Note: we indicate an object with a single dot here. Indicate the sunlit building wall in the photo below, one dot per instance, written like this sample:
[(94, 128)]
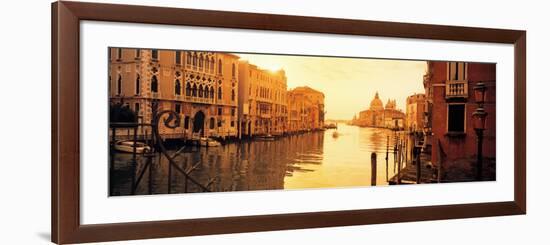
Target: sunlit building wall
[(263, 100), (416, 105), (306, 109)]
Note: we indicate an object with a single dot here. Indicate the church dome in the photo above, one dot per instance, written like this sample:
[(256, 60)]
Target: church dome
[(376, 103)]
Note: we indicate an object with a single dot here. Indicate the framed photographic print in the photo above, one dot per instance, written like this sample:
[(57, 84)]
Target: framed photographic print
[(176, 122)]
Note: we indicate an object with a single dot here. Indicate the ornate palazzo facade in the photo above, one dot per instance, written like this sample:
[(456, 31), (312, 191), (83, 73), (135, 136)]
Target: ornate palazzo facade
[(200, 86)]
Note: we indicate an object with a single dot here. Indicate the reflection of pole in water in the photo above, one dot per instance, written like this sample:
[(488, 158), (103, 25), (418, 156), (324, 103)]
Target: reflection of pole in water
[(373, 169), (151, 174), (169, 177), (112, 160), (387, 149)]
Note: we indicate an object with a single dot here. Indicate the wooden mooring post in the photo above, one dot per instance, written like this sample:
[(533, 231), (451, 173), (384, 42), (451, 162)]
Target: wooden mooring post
[(399, 156), (396, 140), (373, 169), (406, 138), (416, 151)]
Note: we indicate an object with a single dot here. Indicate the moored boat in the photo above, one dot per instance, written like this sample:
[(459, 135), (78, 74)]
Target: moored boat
[(267, 137), (209, 142), (127, 146)]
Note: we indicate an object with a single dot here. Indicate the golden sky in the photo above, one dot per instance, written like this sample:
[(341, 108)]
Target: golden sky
[(349, 84)]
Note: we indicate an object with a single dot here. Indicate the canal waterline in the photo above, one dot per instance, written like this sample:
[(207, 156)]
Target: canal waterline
[(309, 160)]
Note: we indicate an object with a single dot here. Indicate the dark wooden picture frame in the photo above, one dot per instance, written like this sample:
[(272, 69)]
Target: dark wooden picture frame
[(65, 175)]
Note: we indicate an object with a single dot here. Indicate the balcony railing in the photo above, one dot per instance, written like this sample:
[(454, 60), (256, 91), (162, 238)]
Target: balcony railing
[(456, 89), (199, 100), (155, 95), (265, 115)]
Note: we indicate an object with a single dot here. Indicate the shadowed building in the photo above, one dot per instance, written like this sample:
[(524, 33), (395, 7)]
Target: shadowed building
[(200, 86), (450, 104)]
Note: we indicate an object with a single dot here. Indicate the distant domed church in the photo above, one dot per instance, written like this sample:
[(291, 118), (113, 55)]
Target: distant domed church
[(381, 116)]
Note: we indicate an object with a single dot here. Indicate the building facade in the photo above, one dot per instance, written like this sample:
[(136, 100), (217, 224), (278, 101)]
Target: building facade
[(262, 101), (201, 87), (416, 105), (450, 104), (381, 116)]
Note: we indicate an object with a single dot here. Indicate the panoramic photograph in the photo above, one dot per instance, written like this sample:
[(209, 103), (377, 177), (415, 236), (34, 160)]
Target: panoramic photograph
[(187, 121)]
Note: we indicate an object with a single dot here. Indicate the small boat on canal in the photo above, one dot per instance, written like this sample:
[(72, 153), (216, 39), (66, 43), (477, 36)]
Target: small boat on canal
[(127, 146), (209, 142), (267, 137)]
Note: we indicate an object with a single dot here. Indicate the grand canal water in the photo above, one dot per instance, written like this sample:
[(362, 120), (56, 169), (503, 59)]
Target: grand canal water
[(310, 160)]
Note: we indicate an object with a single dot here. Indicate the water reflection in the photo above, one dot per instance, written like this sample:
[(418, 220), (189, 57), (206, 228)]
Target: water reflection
[(311, 160)]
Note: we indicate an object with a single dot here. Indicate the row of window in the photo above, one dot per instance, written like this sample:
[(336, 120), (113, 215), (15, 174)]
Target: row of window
[(200, 91), (267, 93), (192, 59), (262, 76)]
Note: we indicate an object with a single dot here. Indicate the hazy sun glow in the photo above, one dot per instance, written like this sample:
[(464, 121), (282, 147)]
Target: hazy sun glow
[(349, 84)]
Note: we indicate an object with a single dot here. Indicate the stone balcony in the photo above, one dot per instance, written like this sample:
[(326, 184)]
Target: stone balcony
[(456, 89)]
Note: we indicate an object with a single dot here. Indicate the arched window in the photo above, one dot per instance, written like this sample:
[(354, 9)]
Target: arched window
[(189, 58), (233, 95), (177, 87), (194, 60), (220, 66), (206, 64), (211, 93), (200, 91), (212, 123), (200, 61), (154, 84), (219, 93), (187, 89), (138, 89), (212, 65), (119, 84), (233, 70), (194, 90)]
